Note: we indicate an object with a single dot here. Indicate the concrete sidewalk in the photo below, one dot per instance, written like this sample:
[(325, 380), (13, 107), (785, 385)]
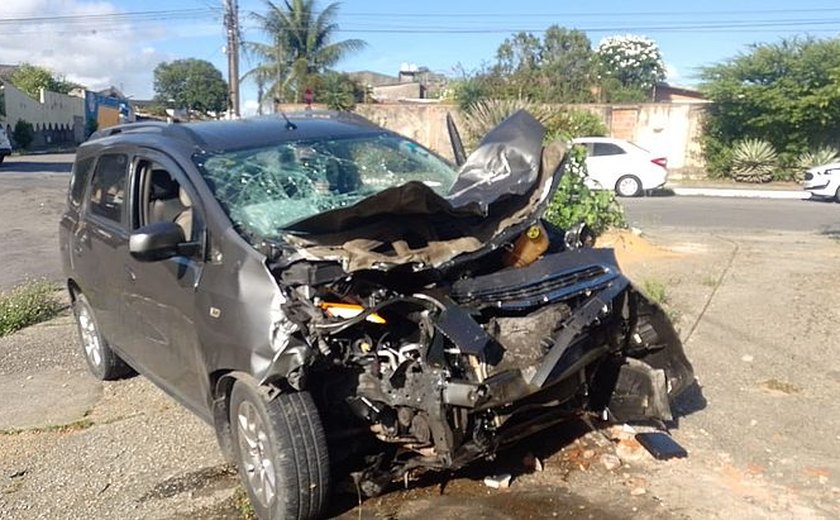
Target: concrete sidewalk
[(739, 192)]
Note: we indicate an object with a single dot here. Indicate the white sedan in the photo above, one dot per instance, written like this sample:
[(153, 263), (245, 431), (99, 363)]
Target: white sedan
[(823, 182), (623, 166)]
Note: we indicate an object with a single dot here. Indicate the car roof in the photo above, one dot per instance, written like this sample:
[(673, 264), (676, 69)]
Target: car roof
[(249, 132)]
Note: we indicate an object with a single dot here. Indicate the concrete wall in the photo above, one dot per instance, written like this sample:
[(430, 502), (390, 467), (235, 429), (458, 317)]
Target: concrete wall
[(669, 129), (386, 93), (54, 116)]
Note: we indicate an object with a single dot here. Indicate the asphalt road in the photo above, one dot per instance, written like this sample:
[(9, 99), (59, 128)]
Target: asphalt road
[(732, 213)]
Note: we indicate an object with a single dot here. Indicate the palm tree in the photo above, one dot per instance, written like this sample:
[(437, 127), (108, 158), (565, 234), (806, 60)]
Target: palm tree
[(300, 45)]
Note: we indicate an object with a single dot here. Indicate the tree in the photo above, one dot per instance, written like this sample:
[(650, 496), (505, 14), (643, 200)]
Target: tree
[(300, 47), (192, 84), (787, 93), (23, 134), (31, 79), (568, 64), (554, 69), (629, 66)]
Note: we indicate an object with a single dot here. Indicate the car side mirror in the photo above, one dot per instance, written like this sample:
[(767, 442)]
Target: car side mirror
[(157, 241)]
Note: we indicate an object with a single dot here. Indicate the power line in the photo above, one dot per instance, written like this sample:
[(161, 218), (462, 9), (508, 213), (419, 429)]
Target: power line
[(108, 17)]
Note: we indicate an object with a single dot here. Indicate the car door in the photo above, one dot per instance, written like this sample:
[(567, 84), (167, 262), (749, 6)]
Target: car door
[(100, 242), (160, 295), (606, 162)]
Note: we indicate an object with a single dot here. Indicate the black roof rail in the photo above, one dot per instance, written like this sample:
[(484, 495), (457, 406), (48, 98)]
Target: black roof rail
[(171, 129)]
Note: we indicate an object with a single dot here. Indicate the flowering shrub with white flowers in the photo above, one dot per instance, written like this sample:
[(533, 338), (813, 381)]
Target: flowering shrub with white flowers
[(635, 61)]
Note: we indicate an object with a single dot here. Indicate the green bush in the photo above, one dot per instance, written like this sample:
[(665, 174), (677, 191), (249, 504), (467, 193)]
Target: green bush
[(339, 92), (574, 202), (568, 124), (23, 133), (27, 304)]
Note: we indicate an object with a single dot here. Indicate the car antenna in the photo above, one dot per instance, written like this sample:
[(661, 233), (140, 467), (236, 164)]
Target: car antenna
[(289, 124)]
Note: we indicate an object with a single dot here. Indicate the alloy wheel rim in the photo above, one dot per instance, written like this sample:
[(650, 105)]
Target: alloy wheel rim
[(90, 338), (628, 186), (255, 455)]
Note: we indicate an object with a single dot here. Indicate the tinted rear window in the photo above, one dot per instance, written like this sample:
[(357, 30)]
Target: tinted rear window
[(108, 187), (79, 180), (607, 149)]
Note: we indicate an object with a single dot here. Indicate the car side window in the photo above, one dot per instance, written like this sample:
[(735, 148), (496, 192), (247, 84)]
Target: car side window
[(79, 180), (163, 199), (606, 149), (108, 187)]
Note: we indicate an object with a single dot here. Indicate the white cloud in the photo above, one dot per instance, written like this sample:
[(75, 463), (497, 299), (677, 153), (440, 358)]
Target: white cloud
[(95, 54), (671, 73)]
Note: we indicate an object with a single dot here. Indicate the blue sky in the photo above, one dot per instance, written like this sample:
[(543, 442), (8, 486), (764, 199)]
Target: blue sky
[(126, 54)]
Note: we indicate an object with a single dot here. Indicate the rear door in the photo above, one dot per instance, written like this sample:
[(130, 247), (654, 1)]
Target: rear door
[(100, 243)]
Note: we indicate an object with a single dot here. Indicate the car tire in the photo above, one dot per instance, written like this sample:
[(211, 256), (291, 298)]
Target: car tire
[(628, 186), (837, 195), (281, 452), (103, 362)]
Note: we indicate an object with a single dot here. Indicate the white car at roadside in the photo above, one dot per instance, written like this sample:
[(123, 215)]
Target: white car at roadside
[(823, 182), (616, 164)]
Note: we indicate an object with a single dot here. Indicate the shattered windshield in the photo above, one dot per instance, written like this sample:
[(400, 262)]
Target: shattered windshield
[(266, 189)]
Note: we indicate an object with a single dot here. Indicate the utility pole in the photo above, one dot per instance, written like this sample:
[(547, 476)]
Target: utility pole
[(232, 29)]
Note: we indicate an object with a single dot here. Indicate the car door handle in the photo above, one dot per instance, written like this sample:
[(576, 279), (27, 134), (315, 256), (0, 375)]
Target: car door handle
[(130, 273)]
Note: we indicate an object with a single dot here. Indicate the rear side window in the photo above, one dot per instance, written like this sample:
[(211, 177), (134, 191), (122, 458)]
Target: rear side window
[(108, 187), (79, 180), (606, 149)]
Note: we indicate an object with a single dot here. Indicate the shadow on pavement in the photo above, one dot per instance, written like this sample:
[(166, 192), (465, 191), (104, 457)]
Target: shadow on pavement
[(662, 192), (36, 167)]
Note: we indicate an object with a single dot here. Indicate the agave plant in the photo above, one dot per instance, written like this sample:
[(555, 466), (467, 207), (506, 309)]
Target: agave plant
[(484, 115), (753, 160), (817, 157)]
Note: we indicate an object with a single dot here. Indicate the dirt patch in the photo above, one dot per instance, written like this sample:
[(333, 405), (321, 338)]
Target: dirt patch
[(778, 387), (632, 248)]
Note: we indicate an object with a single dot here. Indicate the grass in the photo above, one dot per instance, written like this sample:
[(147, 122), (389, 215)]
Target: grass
[(709, 281), (27, 304), (657, 292), (243, 505)]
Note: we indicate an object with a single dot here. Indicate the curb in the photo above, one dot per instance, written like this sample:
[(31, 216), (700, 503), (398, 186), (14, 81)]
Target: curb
[(741, 193)]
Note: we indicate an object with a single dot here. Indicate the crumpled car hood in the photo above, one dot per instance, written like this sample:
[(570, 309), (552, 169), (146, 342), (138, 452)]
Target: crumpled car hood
[(504, 182)]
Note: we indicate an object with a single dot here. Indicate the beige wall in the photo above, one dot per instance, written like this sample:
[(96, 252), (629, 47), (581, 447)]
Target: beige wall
[(52, 109), (669, 129)]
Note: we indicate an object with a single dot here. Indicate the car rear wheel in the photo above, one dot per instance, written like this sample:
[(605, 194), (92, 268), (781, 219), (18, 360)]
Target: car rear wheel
[(281, 452), (102, 361), (837, 195), (628, 186)]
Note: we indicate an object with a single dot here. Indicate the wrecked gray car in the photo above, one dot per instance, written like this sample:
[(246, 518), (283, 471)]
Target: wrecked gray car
[(333, 297)]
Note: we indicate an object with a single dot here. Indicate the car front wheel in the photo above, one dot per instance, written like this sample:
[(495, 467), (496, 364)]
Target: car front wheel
[(102, 361), (628, 186), (281, 452)]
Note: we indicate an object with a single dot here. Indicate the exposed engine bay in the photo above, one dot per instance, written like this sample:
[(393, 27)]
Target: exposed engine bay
[(434, 331)]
